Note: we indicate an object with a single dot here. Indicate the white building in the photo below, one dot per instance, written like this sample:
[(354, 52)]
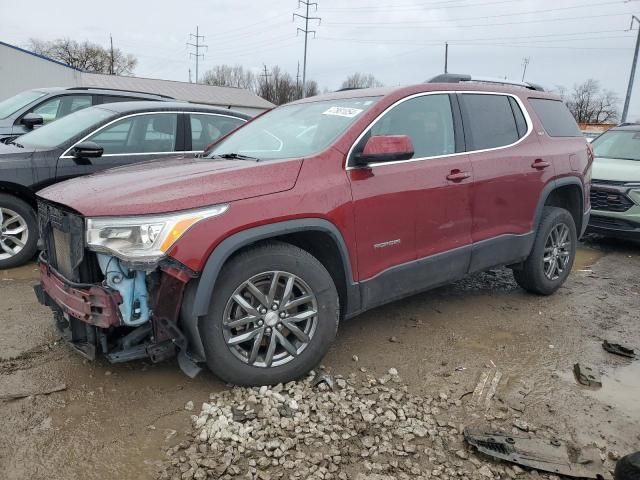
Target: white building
[(23, 70)]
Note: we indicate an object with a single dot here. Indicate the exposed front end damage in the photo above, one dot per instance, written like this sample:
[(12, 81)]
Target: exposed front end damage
[(103, 306)]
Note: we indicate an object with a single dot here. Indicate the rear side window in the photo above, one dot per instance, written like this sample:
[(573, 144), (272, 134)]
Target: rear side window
[(205, 129), (555, 117), (489, 121), (521, 123)]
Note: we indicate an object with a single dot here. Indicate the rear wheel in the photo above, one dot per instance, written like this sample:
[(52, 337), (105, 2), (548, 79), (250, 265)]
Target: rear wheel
[(18, 231), (273, 316), (553, 253)]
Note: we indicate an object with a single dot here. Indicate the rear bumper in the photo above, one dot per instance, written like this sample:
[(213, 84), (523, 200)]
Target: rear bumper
[(92, 304)]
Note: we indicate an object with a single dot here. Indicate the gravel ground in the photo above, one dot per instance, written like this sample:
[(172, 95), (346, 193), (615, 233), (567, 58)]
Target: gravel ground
[(480, 352)]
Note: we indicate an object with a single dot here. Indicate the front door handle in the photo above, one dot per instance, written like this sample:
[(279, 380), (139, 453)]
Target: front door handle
[(457, 175), (540, 164)]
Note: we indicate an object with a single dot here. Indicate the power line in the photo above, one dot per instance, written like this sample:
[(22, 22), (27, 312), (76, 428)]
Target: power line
[(197, 46), (306, 32)]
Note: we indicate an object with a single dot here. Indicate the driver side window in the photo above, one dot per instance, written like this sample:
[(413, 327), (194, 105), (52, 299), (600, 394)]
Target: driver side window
[(155, 133), (427, 120)]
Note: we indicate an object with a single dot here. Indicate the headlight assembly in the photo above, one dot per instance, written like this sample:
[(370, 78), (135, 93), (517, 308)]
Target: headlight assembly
[(144, 238)]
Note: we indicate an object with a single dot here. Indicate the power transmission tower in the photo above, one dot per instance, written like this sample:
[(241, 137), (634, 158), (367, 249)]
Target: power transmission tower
[(197, 46), (627, 99), (525, 62), (306, 32), (111, 70), (266, 93)]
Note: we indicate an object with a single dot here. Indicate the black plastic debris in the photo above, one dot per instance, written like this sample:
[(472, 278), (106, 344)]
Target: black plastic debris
[(587, 375), (618, 349), (549, 455), (323, 378), (628, 467)]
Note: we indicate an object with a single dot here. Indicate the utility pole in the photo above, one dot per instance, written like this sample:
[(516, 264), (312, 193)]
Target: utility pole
[(446, 56), (525, 62), (189, 75), (197, 46), (111, 70), (298, 79), (306, 32), (632, 75)]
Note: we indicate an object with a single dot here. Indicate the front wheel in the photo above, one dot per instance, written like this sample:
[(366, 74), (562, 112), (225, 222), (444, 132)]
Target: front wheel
[(18, 231), (553, 253), (273, 315)]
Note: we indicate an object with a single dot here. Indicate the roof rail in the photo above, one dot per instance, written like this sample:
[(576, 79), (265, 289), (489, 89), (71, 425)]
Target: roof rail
[(346, 89), (121, 90), (462, 77)]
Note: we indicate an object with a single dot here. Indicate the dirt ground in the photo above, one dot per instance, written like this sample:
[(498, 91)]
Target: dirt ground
[(115, 421)]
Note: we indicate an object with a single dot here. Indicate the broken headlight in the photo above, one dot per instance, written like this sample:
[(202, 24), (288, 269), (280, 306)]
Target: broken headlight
[(144, 238)]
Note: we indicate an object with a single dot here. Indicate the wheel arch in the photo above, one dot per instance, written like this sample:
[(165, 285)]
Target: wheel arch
[(318, 236), (567, 193), (19, 191)]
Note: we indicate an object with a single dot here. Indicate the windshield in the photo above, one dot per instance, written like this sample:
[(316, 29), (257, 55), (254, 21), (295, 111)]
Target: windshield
[(56, 133), (623, 144), (296, 130), (15, 103)]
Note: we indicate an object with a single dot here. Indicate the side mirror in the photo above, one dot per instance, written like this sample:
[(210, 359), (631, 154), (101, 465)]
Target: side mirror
[(87, 150), (30, 120), (385, 148)]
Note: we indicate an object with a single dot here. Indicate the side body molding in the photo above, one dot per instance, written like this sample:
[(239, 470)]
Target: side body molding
[(197, 300)]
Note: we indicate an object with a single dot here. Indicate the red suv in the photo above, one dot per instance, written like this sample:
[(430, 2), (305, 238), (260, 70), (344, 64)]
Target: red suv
[(248, 257)]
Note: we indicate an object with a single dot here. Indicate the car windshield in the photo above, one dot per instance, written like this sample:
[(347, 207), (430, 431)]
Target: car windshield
[(15, 103), (291, 131), (56, 133), (623, 144)]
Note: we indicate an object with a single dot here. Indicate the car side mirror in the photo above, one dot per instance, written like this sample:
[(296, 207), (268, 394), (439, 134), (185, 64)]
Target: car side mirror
[(385, 148), (87, 150), (30, 120)]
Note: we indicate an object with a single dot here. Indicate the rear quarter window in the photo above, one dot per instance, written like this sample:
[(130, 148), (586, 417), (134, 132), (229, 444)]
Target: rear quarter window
[(555, 117)]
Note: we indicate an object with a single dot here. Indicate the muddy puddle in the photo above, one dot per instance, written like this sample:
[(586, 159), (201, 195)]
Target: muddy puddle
[(586, 257), (620, 389)]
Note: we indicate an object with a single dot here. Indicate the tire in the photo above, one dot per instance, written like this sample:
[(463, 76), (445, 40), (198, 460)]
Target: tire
[(628, 467), (233, 362), (533, 276), (25, 224)]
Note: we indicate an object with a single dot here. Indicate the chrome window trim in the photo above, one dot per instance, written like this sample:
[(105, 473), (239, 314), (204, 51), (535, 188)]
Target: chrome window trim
[(527, 118), (64, 155)]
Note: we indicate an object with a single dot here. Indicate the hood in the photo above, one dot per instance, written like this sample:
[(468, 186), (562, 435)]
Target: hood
[(616, 169), (172, 184)]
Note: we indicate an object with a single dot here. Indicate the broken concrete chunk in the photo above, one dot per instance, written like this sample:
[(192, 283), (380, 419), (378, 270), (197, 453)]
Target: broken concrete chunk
[(587, 375), (541, 454)]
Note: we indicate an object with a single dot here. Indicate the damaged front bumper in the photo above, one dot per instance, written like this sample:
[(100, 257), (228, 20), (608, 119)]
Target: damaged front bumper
[(90, 316)]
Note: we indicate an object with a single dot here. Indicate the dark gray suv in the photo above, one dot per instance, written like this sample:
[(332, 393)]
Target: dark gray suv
[(22, 112)]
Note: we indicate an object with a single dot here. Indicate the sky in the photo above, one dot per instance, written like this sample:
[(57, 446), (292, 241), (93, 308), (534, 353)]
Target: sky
[(401, 42)]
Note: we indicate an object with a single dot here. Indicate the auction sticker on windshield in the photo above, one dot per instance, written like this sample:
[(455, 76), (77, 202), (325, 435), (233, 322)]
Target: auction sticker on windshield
[(343, 111)]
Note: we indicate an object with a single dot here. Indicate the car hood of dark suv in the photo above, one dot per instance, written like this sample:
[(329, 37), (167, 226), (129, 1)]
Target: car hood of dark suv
[(172, 184)]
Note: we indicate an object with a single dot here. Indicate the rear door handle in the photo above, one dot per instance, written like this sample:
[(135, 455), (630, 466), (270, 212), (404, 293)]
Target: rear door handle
[(458, 175), (540, 164)]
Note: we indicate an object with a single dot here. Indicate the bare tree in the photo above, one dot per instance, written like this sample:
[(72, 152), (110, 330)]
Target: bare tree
[(279, 87), (86, 56), (361, 80), (230, 76), (590, 104)]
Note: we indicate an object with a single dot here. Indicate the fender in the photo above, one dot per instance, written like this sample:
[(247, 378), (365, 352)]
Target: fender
[(553, 185), (202, 291)]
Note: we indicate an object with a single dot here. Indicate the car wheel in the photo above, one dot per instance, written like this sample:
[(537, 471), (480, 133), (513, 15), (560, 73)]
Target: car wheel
[(273, 315), (18, 231), (553, 253)]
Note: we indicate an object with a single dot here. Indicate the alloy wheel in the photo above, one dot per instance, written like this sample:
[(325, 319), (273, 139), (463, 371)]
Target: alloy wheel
[(270, 319), (557, 251), (14, 233)]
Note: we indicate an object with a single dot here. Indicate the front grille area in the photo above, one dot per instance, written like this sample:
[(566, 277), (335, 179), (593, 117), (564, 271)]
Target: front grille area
[(609, 200), (62, 234)]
